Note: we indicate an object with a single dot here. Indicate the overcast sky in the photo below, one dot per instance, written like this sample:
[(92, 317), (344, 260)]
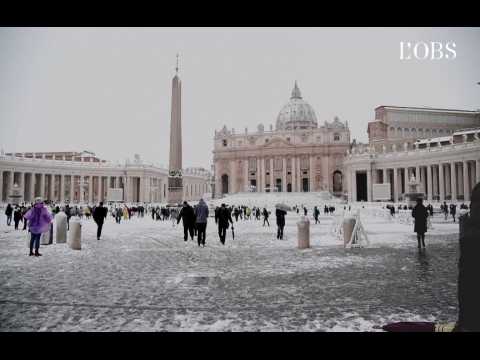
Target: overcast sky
[(108, 90)]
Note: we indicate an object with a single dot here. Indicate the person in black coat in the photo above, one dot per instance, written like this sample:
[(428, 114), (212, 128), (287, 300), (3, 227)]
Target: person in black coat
[(316, 213), (17, 216), (453, 210), (99, 215), (469, 267), (9, 213), (420, 215), (265, 217), (222, 217), (280, 214), (187, 215)]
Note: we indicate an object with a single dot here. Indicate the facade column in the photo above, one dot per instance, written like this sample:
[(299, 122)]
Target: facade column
[(466, 182), (272, 185), (369, 184), (453, 179), (312, 173), (233, 178), (141, 192), (441, 182), (245, 176), (429, 182), (299, 175), (395, 184), (293, 166), (262, 174), (354, 185), (405, 181), (284, 174), (62, 188)]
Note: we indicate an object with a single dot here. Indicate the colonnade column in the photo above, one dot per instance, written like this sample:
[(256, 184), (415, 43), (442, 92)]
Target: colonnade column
[(299, 176), (90, 189), (1, 186), (62, 188), (100, 188), (52, 187), (22, 185), (384, 175), (284, 174), (72, 189), (42, 186), (405, 182), (453, 180), (477, 171), (466, 182), (32, 187), (441, 182), (429, 183)]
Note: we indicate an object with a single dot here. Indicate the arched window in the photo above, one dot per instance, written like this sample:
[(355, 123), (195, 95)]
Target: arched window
[(224, 142), (336, 137)]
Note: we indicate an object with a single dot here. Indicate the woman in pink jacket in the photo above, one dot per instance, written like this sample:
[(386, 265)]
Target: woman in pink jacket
[(39, 220)]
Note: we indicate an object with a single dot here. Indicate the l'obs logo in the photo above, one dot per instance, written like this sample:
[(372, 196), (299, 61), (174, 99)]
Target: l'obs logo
[(433, 50)]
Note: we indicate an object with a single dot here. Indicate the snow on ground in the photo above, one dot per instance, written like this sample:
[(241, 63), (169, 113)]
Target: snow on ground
[(142, 276)]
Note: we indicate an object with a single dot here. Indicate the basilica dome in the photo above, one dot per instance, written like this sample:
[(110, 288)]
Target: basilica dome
[(296, 114)]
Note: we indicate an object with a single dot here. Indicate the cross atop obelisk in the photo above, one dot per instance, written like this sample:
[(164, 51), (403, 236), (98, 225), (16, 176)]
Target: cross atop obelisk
[(175, 181)]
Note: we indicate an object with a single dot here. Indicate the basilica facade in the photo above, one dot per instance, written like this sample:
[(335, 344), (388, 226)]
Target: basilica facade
[(299, 155)]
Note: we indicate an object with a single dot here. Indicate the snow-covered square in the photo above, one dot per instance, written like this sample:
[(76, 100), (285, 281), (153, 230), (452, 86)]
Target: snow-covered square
[(142, 276)]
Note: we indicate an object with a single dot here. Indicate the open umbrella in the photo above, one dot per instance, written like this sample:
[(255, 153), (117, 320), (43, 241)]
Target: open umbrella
[(283, 207)]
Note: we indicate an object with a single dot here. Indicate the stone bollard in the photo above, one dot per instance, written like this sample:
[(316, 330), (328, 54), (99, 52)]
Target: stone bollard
[(462, 218), (61, 228), (303, 226), (348, 225), (45, 238), (75, 234)]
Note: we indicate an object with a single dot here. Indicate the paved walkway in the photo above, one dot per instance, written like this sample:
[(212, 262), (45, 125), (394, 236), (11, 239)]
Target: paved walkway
[(142, 276)]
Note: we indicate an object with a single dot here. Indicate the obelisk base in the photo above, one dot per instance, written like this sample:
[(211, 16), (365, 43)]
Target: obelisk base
[(175, 190)]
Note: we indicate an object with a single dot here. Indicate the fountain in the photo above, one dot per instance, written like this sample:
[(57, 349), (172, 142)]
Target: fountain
[(15, 196), (413, 191)]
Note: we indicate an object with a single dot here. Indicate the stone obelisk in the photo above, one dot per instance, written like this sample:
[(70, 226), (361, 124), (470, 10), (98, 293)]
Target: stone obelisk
[(175, 181)]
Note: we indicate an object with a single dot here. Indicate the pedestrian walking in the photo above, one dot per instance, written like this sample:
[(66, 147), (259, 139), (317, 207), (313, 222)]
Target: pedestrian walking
[(201, 218), (265, 217), (222, 218), (9, 213), (453, 211), (316, 214), (280, 214), (39, 220), (420, 214), (99, 215), (17, 216), (187, 215)]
